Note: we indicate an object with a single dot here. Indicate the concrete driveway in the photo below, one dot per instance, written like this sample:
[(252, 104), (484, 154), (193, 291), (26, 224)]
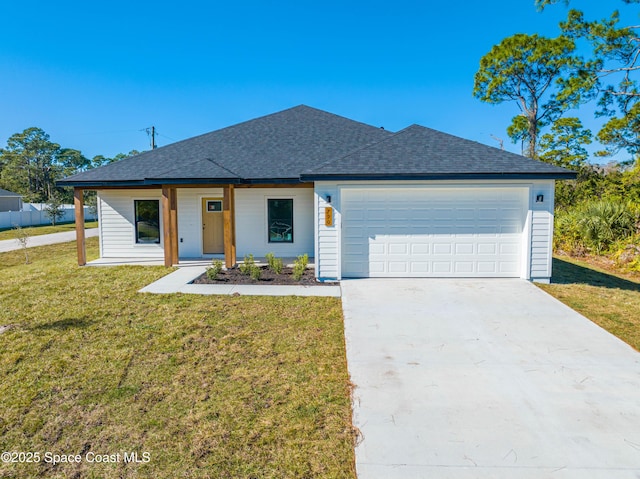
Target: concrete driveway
[(42, 240), (486, 379)]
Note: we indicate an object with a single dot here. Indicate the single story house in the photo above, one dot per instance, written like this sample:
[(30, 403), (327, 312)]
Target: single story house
[(361, 200), (10, 201)]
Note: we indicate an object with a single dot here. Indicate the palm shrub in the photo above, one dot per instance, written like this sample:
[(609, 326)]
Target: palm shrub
[(596, 225), (567, 236)]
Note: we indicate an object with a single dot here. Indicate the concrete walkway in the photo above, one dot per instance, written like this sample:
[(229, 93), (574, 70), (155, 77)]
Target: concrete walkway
[(42, 240), (486, 379), (178, 282)]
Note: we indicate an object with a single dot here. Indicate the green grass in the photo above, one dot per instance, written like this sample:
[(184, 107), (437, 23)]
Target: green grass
[(607, 299), (10, 233), (210, 386)]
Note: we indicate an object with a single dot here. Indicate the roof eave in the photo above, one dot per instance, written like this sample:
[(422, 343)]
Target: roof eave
[(192, 181), (568, 175), (93, 184), (178, 181)]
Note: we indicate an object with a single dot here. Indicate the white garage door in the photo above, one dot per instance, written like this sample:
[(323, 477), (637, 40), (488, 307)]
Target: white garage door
[(433, 232)]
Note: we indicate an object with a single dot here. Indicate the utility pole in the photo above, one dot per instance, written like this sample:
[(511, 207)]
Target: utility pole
[(151, 132)]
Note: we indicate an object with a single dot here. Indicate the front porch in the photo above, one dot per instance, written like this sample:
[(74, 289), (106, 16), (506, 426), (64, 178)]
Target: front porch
[(175, 226)]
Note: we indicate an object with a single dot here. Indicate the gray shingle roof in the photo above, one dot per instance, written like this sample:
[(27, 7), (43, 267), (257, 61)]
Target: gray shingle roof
[(8, 193), (270, 148), (422, 153), (306, 144)]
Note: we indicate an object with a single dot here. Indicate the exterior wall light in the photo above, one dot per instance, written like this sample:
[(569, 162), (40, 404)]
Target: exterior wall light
[(540, 199)]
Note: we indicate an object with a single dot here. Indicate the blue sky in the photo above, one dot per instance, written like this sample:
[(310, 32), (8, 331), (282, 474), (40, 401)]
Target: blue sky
[(93, 75)]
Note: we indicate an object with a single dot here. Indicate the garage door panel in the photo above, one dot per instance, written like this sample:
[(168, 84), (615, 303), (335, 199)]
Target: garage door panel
[(487, 267), (399, 248), (433, 232), (464, 248), (420, 267), (509, 248), (420, 249), (466, 267), (442, 267), (487, 248), (398, 267), (442, 249)]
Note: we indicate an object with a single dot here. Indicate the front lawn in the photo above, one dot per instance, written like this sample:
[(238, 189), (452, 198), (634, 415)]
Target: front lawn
[(607, 299), (209, 386), (10, 233)]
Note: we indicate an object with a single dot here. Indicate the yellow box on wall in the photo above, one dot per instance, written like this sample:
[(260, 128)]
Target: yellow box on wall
[(328, 216)]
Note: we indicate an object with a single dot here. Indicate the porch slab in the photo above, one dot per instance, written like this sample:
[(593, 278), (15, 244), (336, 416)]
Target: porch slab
[(178, 282), (126, 262), (287, 262)]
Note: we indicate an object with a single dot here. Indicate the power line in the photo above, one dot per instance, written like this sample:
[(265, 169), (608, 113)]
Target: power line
[(165, 136)]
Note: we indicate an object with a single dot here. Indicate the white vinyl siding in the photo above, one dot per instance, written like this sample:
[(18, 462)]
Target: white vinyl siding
[(251, 222), (542, 231), (117, 224), (327, 252)]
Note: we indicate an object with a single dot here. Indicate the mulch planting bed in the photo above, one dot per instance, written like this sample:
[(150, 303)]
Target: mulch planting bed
[(267, 277)]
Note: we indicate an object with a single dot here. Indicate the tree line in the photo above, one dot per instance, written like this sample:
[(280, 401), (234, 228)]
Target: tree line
[(549, 79), (31, 163)]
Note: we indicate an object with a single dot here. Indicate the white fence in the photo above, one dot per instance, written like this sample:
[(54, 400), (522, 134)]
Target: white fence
[(37, 216)]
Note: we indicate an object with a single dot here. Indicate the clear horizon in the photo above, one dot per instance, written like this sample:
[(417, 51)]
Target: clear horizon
[(94, 76)]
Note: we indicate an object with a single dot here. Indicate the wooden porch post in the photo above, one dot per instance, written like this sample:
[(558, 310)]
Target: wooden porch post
[(229, 225), (78, 203), (173, 200), (232, 193), (166, 226)]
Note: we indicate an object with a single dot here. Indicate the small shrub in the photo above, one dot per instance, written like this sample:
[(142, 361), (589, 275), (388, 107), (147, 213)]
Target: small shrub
[(255, 272), (22, 236), (304, 259), (54, 209), (270, 257), (278, 266), (247, 265), (214, 271), (626, 253), (275, 264), (299, 266)]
